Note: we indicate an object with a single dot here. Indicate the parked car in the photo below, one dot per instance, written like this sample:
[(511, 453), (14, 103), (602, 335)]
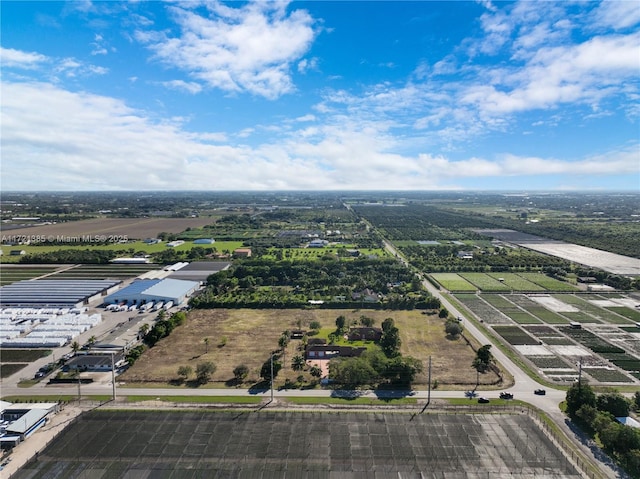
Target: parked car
[(483, 400), (540, 392), (506, 395), (470, 394)]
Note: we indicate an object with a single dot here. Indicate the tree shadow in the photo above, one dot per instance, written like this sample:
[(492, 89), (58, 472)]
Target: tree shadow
[(259, 387), (349, 394)]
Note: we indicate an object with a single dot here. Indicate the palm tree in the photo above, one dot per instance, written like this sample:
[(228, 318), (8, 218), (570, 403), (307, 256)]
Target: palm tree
[(144, 329), (75, 346), (206, 344), (92, 340), (298, 363)]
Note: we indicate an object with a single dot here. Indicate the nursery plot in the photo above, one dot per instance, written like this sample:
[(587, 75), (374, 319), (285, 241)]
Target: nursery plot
[(632, 314), (482, 310), (515, 335), (547, 282), (453, 282), (505, 306), (590, 340), (516, 282), (292, 445), (607, 375), (591, 309), (548, 362), (538, 310), (485, 282)]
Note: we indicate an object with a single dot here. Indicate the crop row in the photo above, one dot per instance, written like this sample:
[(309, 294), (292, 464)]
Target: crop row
[(515, 335)]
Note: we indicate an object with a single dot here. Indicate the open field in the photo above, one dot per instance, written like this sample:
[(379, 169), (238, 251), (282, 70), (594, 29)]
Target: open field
[(453, 282), (293, 445), (251, 335), (11, 274), (133, 228)]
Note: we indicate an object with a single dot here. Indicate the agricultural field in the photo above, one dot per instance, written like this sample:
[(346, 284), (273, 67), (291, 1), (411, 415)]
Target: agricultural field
[(181, 444), (515, 335), (516, 282), (548, 283), (13, 360), (501, 282), (11, 274), (116, 228), (453, 282), (247, 337), (610, 352)]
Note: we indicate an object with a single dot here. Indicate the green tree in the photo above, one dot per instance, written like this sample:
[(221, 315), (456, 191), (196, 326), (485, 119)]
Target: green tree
[(298, 363), (390, 342), (184, 372), (315, 325), (143, 329), (91, 341), (75, 346), (578, 395), (453, 328), (614, 403), (316, 372), (241, 372), (484, 358), (204, 371), (341, 323), (443, 313), (367, 321), (402, 371), (352, 372), (388, 323)]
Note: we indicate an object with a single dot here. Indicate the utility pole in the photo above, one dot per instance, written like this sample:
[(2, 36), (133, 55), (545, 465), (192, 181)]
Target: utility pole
[(113, 374), (429, 382), (580, 374), (271, 377)]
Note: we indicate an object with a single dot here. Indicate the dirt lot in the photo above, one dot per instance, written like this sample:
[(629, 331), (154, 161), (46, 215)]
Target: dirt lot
[(251, 335), (133, 228)]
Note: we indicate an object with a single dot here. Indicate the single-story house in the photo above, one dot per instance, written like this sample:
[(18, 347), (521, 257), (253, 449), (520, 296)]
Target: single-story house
[(329, 351)]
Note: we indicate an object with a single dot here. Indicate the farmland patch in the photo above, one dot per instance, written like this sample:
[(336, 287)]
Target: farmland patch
[(515, 335), (278, 444), (485, 282), (453, 282)]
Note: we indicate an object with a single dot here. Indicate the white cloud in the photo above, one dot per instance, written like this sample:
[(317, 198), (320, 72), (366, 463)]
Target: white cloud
[(617, 14), (11, 58), (583, 73), (250, 48), (190, 87)]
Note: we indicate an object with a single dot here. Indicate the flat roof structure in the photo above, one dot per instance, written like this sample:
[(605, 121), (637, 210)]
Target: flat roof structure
[(53, 292), (199, 270), (153, 290)]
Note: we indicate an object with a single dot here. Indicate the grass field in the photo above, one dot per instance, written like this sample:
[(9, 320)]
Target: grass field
[(516, 282), (598, 313), (484, 282), (251, 335), (550, 284), (453, 282)]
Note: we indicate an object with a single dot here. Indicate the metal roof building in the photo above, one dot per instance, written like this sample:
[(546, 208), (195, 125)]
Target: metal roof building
[(154, 290), (199, 270), (41, 293)]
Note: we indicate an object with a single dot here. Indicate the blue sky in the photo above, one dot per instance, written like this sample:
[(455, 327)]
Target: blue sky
[(320, 95)]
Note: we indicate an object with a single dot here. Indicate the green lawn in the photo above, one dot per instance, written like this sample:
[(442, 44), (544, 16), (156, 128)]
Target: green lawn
[(453, 282), (485, 282)]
